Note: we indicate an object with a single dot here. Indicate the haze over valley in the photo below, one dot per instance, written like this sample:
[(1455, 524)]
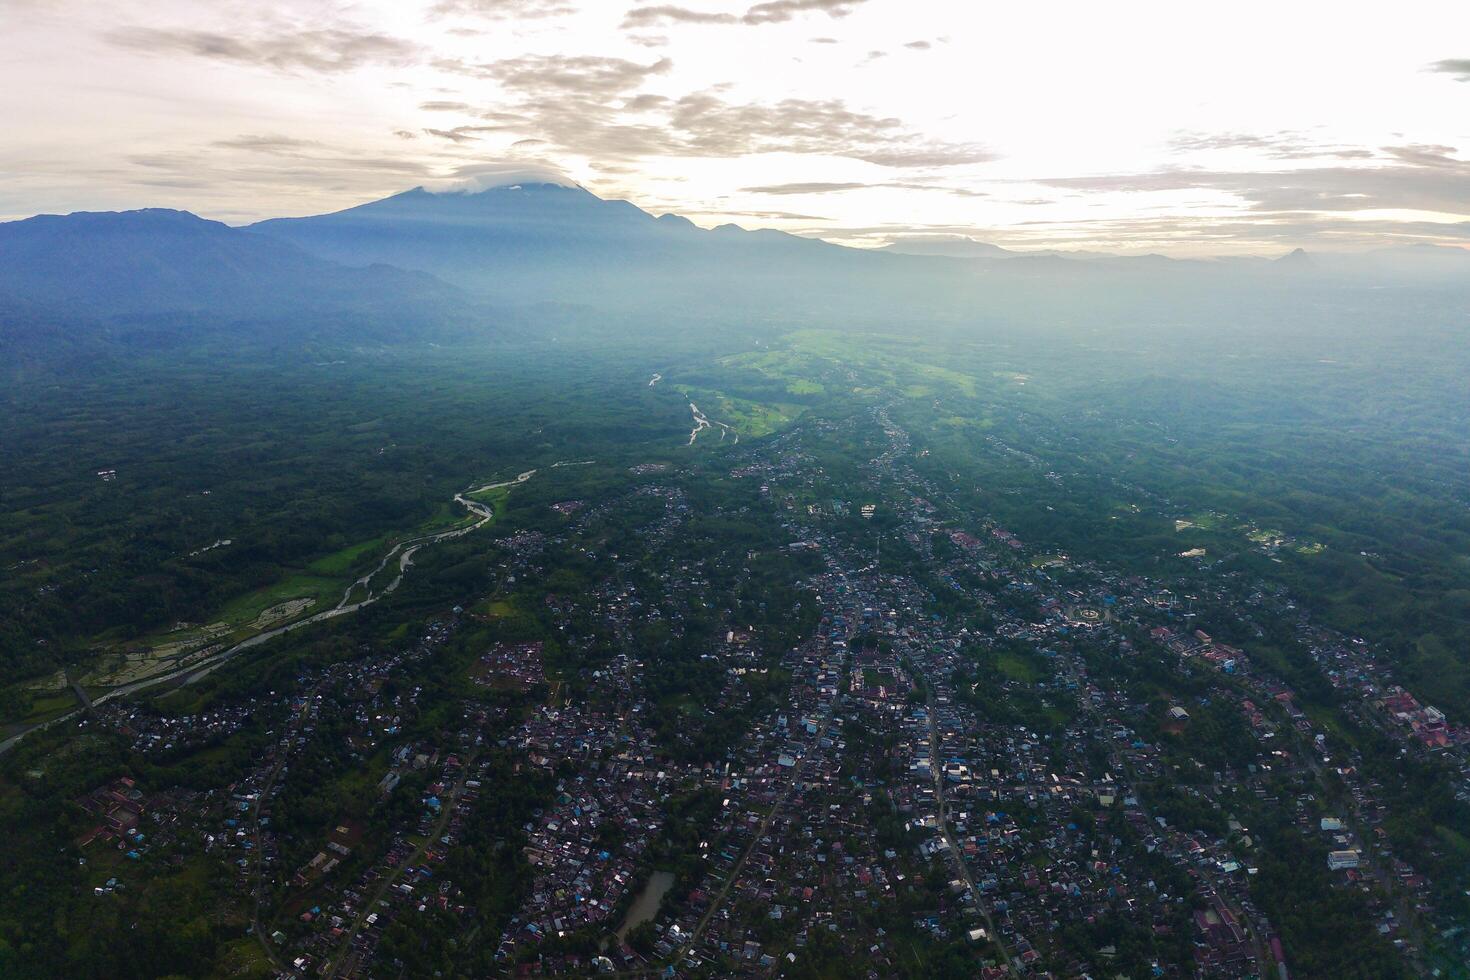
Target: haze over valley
[(810, 488)]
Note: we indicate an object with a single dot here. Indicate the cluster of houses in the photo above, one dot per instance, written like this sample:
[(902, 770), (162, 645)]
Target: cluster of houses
[(586, 849), (879, 798)]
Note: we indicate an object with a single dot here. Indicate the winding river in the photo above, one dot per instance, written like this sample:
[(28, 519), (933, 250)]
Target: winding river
[(403, 551), (701, 423)]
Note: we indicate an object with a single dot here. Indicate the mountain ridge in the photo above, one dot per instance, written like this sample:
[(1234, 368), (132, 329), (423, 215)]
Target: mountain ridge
[(419, 261)]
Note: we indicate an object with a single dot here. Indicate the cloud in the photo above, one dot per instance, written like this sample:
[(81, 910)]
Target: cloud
[(1459, 67), (659, 16), (289, 153), (502, 9), (772, 12), (1433, 181), (444, 106), (475, 177), (596, 107), (709, 126), (780, 11), (460, 134), (822, 187), (812, 187), (1282, 145), (1427, 155), (324, 50), (1244, 232), (919, 153), (226, 182), (919, 45), (265, 144), (567, 74), (768, 215)]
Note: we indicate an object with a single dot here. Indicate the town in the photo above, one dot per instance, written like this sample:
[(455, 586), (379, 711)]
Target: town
[(933, 752)]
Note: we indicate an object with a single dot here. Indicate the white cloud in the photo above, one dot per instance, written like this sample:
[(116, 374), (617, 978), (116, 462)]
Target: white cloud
[(983, 116)]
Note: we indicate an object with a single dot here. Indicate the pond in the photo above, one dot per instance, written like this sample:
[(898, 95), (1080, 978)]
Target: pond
[(645, 906)]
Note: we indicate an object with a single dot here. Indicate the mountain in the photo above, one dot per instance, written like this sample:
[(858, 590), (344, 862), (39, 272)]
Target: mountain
[(1297, 258), (946, 246), (530, 243), (422, 264), (478, 238), (156, 261)]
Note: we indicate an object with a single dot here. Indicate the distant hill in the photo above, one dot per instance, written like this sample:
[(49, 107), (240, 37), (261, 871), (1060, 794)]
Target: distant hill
[(947, 246), (155, 261), (423, 264)]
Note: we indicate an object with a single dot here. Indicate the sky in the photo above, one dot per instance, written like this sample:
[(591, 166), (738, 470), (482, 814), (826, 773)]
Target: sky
[(1183, 128)]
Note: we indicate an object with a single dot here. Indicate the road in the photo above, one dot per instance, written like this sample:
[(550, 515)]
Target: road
[(1405, 908), (954, 851), (278, 766), (345, 949), (1265, 962), (718, 901)]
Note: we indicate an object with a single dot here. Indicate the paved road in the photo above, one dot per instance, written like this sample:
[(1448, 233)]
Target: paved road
[(345, 949), (954, 851), (1260, 951), (760, 831), (278, 765)]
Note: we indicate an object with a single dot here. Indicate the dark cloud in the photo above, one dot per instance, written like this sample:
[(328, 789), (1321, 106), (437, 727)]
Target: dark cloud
[(405, 134), (772, 12), (324, 50), (1459, 67)]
